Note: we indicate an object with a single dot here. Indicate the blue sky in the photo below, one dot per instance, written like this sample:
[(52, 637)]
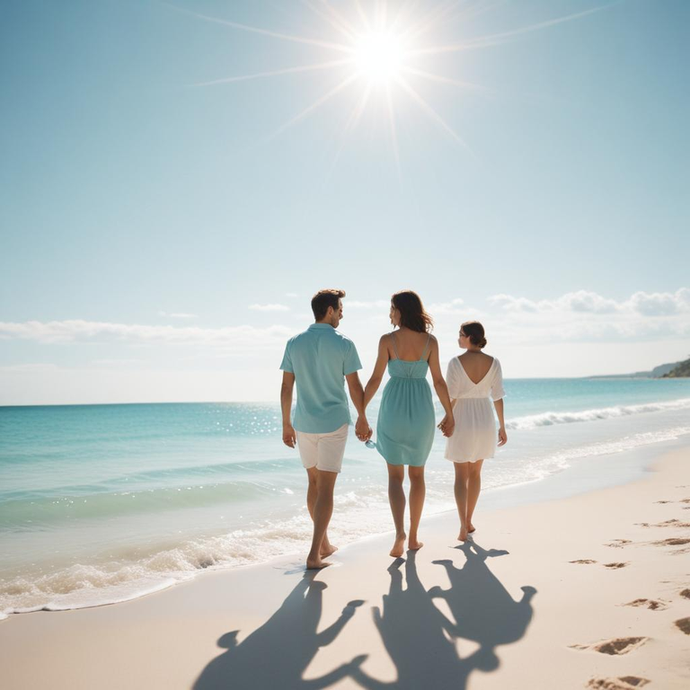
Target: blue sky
[(149, 223)]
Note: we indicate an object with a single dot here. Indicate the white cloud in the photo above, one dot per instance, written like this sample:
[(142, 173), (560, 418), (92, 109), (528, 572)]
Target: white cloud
[(583, 301), (269, 307), (235, 337), (661, 303), (291, 294), (580, 301), (585, 315), (452, 307)]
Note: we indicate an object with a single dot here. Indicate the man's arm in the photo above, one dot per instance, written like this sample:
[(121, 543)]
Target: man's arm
[(289, 438)]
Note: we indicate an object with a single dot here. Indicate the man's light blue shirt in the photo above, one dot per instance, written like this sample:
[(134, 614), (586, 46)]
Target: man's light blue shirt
[(320, 358)]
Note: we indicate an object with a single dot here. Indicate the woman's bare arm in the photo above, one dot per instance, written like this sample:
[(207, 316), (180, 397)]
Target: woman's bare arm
[(377, 375), (502, 436), (447, 424)]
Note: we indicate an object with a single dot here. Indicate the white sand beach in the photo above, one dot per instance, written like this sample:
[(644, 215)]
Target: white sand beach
[(592, 591)]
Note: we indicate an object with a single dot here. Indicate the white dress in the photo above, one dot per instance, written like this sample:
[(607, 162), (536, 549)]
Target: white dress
[(475, 425)]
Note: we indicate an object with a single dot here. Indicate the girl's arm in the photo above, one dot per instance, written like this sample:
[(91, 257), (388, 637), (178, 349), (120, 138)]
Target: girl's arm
[(447, 425), (377, 375), (502, 436)]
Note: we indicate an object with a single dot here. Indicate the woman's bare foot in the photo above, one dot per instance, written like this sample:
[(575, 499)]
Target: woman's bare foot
[(328, 550), (317, 564), (398, 546), (414, 544), (463, 534), (471, 528)]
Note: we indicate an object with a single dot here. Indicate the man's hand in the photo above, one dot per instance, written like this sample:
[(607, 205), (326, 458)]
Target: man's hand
[(289, 436), (362, 429)]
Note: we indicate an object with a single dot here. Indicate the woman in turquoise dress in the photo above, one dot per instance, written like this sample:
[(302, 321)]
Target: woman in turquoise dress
[(405, 427)]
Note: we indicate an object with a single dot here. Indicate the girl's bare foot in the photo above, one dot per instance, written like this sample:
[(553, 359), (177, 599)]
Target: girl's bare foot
[(327, 551), (414, 544), (398, 546), (316, 564)]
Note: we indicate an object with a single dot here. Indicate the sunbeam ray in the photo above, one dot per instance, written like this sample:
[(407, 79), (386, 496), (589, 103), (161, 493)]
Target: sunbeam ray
[(394, 135), (278, 72), (446, 80), (363, 15), (339, 17), (498, 39), (429, 20), (316, 104), (408, 6), (338, 26), (274, 34), (431, 112), (350, 126)]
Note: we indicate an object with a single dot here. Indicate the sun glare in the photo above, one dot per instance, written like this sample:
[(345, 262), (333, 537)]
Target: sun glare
[(374, 48), (379, 56)]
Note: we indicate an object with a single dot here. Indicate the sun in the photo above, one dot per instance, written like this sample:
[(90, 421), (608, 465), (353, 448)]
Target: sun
[(378, 52), (379, 56)]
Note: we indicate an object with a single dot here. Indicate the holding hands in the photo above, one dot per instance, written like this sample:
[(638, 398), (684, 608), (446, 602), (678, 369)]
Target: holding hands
[(362, 429), (447, 425)]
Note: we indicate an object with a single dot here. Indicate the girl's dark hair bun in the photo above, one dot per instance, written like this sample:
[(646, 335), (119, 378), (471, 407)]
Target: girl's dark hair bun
[(475, 332)]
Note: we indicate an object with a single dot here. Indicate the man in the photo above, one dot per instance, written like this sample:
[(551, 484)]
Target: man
[(318, 361)]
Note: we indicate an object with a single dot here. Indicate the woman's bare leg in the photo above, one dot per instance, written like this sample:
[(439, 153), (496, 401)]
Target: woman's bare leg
[(474, 486), (396, 497), (462, 472), (417, 494)]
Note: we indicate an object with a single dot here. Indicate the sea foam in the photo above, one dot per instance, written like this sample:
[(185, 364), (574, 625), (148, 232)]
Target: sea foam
[(551, 418)]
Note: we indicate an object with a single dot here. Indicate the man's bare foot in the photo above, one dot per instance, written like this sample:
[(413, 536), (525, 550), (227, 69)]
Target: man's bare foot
[(414, 544), (463, 534), (317, 564), (398, 546), (327, 551)]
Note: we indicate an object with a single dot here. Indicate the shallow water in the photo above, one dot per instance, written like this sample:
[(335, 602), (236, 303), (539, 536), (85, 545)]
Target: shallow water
[(102, 503)]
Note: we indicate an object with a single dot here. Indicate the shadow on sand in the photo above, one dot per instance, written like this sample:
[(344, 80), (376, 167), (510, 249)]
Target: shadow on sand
[(419, 638), (276, 655), (421, 641)]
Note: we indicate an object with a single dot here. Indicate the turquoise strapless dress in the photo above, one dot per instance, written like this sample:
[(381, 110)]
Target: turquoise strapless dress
[(406, 422)]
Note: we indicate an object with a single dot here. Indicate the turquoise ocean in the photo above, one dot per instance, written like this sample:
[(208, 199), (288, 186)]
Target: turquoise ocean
[(104, 503)]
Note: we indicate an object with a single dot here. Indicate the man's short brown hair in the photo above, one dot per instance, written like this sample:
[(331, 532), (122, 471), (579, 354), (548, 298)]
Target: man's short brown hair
[(324, 299)]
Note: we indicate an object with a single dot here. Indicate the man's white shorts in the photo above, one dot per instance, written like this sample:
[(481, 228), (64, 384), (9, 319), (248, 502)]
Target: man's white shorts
[(323, 451)]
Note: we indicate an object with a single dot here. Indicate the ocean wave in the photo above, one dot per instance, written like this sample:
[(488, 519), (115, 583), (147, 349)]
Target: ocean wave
[(76, 507), (551, 418), (362, 511)]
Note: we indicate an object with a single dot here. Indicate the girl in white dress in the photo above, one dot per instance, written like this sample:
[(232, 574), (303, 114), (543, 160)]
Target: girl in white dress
[(474, 380)]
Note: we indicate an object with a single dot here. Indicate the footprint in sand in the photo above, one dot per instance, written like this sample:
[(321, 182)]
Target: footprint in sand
[(621, 683), (685, 593), (617, 646), (651, 604), (586, 561), (673, 541), (683, 625), (666, 523), (618, 543), (615, 566)]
